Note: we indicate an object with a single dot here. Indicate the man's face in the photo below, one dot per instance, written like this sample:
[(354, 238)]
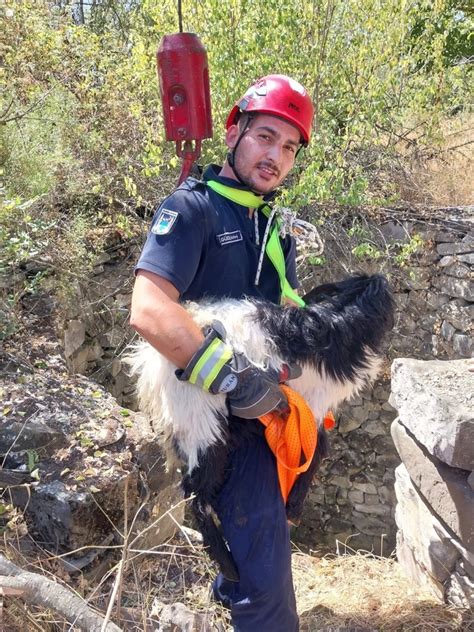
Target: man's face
[(266, 152)]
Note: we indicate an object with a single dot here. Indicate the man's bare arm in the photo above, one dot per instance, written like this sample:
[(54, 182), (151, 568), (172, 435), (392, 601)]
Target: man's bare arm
[(161, 320)]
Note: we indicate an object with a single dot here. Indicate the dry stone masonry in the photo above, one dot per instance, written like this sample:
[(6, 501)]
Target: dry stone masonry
[(353, 501), (434, 436)]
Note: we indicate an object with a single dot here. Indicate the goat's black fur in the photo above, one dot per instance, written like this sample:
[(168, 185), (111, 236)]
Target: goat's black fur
[(336, 336)]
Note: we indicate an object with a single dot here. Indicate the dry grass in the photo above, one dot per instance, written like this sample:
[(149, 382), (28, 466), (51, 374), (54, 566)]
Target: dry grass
[(441, 175), (356, 593), (362, 592)]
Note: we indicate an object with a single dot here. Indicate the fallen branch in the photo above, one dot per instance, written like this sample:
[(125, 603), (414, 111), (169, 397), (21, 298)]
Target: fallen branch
[(41, 591)]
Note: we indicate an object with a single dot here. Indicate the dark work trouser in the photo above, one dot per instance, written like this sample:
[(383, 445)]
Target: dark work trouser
[(251, 510)]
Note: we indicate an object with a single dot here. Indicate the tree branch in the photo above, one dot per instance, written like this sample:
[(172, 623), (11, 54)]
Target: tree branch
[(41, 591)]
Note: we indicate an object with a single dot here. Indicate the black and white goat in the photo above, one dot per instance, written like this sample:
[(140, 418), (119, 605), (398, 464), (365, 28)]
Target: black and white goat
[(335, 339)]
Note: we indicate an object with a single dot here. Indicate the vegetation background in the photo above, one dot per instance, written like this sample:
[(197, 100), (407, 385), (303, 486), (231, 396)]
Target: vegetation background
[(81, 137), (83, 161), (81, 125)]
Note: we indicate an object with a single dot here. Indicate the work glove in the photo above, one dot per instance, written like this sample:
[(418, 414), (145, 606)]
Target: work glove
[(251, 392)]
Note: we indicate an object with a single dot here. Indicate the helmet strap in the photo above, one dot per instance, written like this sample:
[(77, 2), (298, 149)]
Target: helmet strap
[(231, 155)]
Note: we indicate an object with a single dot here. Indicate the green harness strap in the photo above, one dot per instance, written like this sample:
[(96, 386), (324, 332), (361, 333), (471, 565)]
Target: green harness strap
[(273, 247)]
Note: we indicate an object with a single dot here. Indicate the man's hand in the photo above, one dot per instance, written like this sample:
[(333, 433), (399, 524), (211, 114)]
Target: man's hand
[(251, 392)]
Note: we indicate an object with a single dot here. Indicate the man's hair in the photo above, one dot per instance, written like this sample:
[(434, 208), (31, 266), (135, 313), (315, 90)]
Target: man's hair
[(243, 120)]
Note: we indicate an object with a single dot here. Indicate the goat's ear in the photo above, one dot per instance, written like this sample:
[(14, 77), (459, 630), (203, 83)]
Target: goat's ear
[(320, 293)]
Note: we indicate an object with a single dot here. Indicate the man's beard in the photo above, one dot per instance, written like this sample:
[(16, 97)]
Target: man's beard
[(253, 186)]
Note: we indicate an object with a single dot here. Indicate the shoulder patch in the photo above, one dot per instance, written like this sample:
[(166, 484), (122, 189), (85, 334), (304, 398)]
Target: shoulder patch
[(164, 222)]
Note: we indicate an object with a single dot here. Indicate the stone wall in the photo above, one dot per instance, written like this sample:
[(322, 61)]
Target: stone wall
[(434, 436), (353, 500)]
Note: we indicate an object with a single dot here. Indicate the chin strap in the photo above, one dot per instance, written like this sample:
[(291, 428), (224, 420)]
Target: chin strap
[(271, 244), (231, 154)]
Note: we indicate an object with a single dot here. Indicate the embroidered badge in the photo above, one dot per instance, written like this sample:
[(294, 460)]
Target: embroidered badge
[(164, 222), (229, 238)]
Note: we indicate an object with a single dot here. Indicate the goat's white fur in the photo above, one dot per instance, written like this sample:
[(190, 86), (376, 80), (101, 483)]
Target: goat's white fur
[(187, 413)]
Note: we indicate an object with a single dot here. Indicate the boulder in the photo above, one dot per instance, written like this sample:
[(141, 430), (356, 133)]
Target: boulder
[(435, 403), (445, 488), (425, 536), (414, 570), (84, 463)]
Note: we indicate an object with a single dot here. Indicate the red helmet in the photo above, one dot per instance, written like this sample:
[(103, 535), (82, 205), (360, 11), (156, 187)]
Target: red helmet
[(281, 96)]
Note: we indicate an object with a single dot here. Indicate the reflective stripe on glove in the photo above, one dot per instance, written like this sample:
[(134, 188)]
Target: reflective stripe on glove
[(251, 392)]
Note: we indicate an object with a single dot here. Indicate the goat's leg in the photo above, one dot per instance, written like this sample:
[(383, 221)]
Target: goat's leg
[(204, 482)]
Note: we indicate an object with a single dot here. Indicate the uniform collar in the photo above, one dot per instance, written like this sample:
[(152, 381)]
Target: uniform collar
[(212, 173)]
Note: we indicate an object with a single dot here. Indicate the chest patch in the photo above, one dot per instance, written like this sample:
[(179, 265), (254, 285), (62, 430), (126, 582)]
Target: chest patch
[(164, 222), (229, 238)]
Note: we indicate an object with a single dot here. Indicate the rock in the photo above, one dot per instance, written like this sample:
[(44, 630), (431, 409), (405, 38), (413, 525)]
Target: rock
[(414, 570), (388, 461), (458, 270), (88, 454), (330, 494), (78, 362), (423, 533), (373, 509), (470, 480), (74, 337), (457, 288), (446, 261), (374, 428), (435, 300), (157, 523), (460, 588), (382, 444), (36, 435), (435, 402), (447, 330), (103, 257), (463, 345), (369, 524), (445, 488), (115, 367), (348, 423), (177, 618), (372, 499), (367, 488), (460, 315), (454, 248), (356, 496), (382, 393), (469, 258), (68, 516), (395, 232), (387, 495), (444, 236), (123, 300), (340, 482), (417, 279), (113, 338)]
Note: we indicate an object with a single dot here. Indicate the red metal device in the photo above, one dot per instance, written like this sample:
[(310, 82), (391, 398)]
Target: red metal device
[(183, 74)]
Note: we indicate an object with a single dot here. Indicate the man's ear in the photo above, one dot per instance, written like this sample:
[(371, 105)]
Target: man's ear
[(232, 136)]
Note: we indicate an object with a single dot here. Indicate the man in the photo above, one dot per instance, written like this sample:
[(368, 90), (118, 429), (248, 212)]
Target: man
[(209, 239)]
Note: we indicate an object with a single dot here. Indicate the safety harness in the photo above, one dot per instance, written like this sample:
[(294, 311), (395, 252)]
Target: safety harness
[(271, 244), (293, 439)]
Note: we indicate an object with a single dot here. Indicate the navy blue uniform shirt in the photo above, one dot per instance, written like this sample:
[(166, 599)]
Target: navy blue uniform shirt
[(205, 245)]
